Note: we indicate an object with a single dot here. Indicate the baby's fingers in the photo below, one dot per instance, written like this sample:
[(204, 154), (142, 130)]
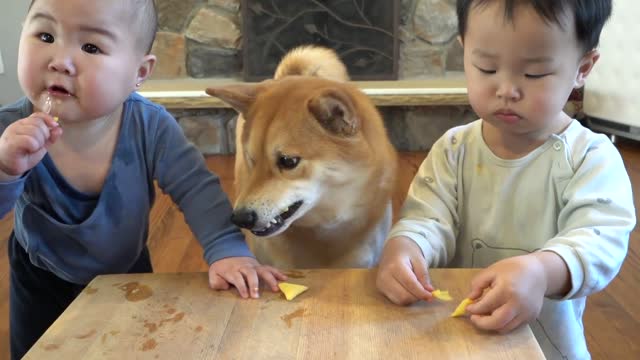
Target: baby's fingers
[(480, 282), (497, 320), (47, 119), (237, 279), (397, 294), (271, 276), (217, 282), (252, 282), (411, 290), (488, 303)]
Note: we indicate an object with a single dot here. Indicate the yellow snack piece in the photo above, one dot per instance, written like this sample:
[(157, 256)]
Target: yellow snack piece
[(56, 119), (441, 295), (462, 308), (290, 290)]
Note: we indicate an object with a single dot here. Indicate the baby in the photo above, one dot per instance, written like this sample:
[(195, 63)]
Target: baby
[(82, 191), (543, 204)]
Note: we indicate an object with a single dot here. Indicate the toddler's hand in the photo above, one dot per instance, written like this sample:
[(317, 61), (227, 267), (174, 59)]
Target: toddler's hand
[(24, 143), (243, 273), (508, 294), (403, 276)]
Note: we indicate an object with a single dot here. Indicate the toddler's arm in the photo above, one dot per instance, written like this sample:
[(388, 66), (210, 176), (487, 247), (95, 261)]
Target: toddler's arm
[(23, 144), (403, 276), (510, 292), (244, 274), (181, 172), (595, 223)]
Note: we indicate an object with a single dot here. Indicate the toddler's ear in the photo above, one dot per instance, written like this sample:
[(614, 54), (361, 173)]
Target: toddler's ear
[(585, 67), (146, 68)]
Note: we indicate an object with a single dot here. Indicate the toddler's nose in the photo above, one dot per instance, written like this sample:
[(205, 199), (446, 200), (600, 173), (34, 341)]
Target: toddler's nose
[(63, 64), (508, 90)]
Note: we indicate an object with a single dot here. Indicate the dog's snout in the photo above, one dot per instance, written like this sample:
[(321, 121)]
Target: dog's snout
[(245, 218)]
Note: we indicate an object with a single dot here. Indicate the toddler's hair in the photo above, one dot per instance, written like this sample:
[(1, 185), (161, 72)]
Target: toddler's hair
[(145, 17), (589, 15)]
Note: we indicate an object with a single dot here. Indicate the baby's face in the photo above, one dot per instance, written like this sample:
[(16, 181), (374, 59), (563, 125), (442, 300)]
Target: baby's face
[(520, 72), (81, 53)]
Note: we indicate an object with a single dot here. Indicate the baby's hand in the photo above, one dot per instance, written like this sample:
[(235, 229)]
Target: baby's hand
[(403, 276), (24, 143), (508, 294), (243, 273)]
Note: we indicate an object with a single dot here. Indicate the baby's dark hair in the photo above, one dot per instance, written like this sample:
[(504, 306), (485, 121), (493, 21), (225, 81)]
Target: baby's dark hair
[(590, 15), (145, 16)]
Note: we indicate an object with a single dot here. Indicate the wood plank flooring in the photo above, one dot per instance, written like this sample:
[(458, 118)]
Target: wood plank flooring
[(612, 319)]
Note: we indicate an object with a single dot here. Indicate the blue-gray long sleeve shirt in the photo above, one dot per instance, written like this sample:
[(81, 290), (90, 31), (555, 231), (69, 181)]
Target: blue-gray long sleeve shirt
[(78, 236)]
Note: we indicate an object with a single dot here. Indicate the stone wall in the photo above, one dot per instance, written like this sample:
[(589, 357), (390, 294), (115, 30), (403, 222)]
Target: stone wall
[(410, 128), (202, 39)]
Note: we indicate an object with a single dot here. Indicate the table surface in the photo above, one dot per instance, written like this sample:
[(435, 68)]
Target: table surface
[(341, 316)]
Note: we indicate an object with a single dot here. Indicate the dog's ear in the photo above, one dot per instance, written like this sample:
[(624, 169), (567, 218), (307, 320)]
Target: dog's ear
[(239, 96), (334, 110)]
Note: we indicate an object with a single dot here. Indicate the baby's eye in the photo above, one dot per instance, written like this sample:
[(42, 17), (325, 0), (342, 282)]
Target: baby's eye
[(485, 71), (46, 37), (91, 49), (535, 76)]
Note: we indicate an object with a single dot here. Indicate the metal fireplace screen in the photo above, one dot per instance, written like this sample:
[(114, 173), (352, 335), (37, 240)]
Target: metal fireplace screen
[(362, 32)]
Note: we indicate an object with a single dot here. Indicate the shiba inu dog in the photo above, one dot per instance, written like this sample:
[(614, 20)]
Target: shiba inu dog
[(314, 168)]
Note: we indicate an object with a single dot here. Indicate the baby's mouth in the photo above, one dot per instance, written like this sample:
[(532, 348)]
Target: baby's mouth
[(57, 90)]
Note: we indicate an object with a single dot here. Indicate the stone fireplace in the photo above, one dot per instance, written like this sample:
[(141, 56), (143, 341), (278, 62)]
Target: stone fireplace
[(362, 32), (204, 38)]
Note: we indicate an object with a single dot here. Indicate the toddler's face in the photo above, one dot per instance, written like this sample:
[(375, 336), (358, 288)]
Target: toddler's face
[(81, 53), (521, 72)]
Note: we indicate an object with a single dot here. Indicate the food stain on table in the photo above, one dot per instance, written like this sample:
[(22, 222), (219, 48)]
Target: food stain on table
[(198, 328), (149, 345), (51, 347), (89, 334), (134, 291), (89, 290), (153, 327), (288, 319)]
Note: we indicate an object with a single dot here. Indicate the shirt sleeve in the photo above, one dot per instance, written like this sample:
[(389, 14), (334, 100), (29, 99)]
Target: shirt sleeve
[(595, 223), (429, 214), (181, 172), (9, 193)]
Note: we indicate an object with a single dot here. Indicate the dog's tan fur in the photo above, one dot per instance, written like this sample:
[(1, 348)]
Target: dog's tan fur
[(344, 176)]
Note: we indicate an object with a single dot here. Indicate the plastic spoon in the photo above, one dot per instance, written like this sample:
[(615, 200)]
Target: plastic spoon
[(48, 107)]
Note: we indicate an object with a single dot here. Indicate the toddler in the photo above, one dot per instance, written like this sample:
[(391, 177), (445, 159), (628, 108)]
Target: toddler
[(82, 188), (541, 203)]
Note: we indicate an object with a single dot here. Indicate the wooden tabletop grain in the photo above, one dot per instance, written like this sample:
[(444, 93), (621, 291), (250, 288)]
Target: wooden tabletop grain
[(341, 316)]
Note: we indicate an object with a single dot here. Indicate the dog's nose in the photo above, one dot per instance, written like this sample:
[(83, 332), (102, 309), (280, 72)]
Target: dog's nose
[(245, 218)]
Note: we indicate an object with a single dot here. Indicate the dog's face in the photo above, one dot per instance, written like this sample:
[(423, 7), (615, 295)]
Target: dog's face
[(303, 152)]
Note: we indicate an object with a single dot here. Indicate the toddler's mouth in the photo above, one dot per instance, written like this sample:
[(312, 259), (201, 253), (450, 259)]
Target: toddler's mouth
[(57, 90)]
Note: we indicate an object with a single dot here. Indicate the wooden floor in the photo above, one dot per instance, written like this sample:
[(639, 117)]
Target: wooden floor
[(612, 319)]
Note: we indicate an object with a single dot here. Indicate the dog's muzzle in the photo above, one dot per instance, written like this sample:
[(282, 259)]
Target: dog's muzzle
[(248, 218)]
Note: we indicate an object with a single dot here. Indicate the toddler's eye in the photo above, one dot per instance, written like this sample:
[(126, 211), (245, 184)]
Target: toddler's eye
[(485, 71), (536, 76), (46, 37), (91, 49)]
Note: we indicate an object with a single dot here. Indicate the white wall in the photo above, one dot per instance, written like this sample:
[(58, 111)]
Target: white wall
[(12, 13)]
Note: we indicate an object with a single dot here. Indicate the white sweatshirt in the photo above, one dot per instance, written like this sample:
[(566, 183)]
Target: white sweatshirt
[(468, 208)]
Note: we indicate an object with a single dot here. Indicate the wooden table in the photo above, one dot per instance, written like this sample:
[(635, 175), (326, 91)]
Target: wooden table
[(341, 316)]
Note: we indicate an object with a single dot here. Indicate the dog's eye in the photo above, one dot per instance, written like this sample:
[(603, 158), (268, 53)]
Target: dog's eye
[(288, 162)]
